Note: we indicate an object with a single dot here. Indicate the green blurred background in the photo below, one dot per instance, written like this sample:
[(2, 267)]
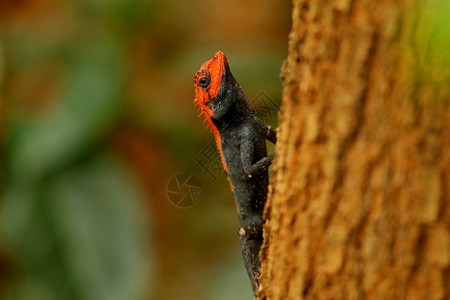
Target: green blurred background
[(96, 114)]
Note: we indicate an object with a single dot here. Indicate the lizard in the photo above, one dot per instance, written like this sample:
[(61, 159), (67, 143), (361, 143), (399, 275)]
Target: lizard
[(241, 142)]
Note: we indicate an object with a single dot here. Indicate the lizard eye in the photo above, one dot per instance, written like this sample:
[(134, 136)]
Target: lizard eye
[(203, 81)]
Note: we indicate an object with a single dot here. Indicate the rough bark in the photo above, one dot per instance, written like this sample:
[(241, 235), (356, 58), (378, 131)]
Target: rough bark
[(359, 204)]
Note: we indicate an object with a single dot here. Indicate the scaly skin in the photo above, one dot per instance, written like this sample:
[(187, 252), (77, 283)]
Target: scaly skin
[(241, 141)]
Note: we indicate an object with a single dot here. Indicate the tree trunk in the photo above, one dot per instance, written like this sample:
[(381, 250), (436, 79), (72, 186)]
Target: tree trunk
[(359, 204)]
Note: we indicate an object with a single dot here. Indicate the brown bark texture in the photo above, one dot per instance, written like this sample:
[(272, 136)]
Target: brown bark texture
[(359, 203)]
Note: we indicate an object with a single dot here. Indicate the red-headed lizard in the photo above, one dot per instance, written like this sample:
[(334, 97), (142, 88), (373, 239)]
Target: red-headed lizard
[(241, 141)]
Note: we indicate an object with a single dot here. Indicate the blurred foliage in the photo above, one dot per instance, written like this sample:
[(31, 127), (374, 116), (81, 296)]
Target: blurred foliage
[(431, 43), (91, 99), (70, 214), (77, 235), (97, 115)]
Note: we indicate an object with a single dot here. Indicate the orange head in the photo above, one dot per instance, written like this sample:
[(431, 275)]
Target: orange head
[(217, 94), (207, 82)]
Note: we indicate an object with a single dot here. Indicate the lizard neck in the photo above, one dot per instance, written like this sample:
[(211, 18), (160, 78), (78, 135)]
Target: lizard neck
[(237, 108)]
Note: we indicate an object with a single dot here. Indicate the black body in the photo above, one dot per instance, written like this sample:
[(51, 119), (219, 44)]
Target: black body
[(243, 145)]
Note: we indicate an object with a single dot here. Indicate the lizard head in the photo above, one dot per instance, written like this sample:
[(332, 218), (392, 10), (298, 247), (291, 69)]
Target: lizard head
[(207, 81), (217, 94)]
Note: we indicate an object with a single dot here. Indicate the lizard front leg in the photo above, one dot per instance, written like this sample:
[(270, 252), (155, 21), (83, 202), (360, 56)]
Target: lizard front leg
[(247, 155)]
